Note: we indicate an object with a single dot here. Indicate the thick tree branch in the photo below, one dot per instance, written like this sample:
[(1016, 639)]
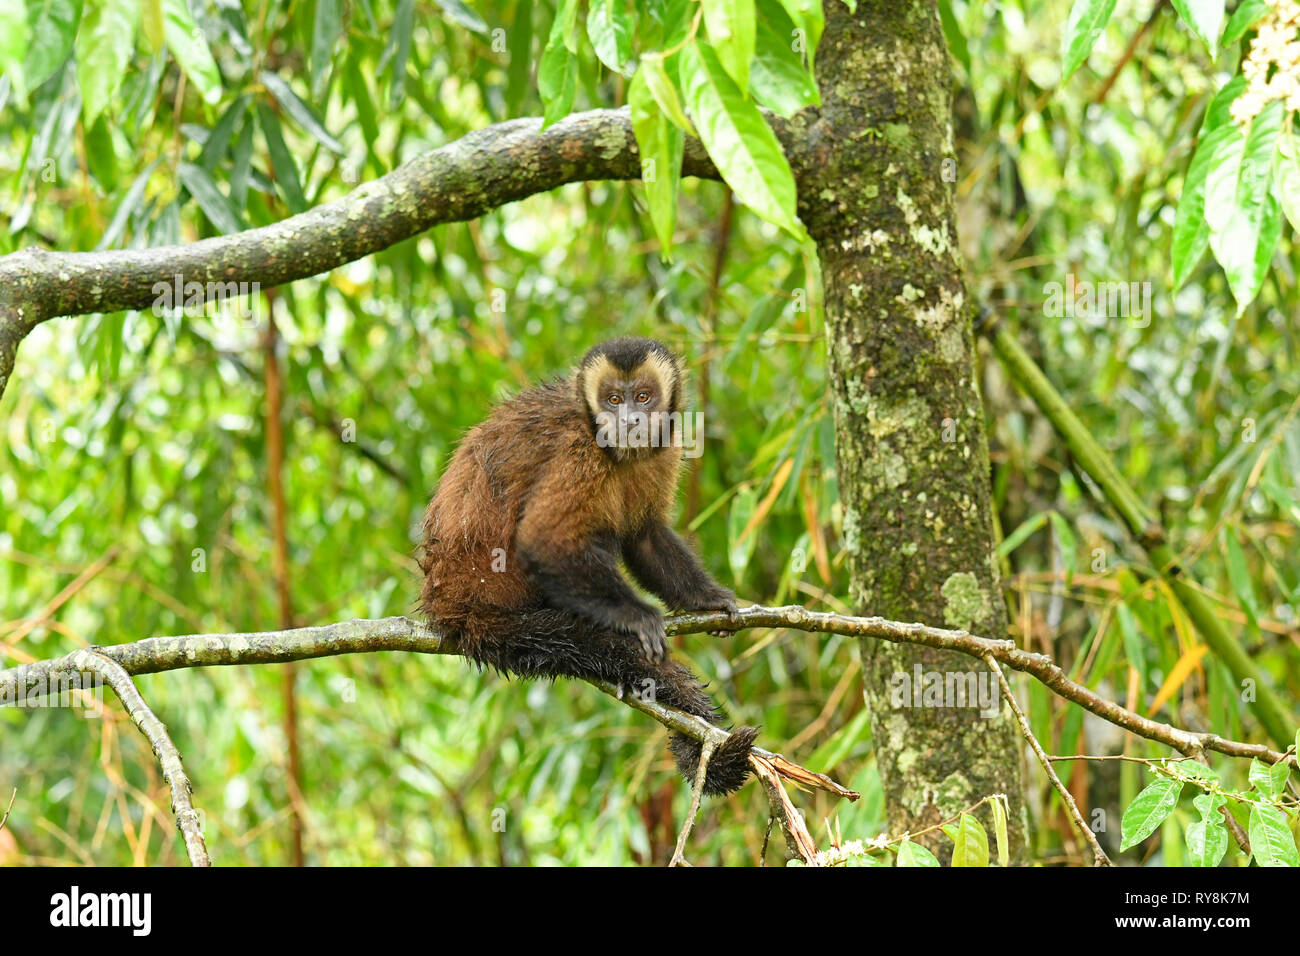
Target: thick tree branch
[(117, 662), (157, 654), (460, 181)]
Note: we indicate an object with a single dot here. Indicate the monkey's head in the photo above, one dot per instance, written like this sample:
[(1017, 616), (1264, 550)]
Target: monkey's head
[(631, 389)]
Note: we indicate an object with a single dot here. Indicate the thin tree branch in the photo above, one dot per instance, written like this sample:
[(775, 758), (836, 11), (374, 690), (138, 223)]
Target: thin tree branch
[(1098, 854), (187, 820), (705, 732), (697, 791), (797, 838), (1039, 666)]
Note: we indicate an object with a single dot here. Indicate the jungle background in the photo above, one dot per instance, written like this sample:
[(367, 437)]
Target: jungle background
[(136, 459)]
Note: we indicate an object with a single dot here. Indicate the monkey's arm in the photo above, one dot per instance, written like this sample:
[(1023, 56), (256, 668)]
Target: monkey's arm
[(578, 572), (665, 564)]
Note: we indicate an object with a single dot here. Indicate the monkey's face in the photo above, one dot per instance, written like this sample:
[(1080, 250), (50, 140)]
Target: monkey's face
[(631, 395)]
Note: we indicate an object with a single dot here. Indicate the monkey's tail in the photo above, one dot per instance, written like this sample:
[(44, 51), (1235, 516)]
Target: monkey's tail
[(728, 765), (550, 643)]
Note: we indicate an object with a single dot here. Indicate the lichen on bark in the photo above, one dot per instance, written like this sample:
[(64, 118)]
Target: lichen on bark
[(912, 456)]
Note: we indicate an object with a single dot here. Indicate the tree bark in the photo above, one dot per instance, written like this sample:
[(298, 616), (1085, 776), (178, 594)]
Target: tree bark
[(911, 449)]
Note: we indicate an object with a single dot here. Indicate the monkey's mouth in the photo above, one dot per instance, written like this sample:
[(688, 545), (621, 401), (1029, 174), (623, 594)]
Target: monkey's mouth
[(630, 435)]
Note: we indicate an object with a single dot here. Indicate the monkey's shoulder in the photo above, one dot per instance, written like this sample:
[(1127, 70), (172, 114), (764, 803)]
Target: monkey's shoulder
[(515, 445)]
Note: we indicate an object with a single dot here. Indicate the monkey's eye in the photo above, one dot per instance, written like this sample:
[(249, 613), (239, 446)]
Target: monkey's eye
[(615, 398), (643, 397)]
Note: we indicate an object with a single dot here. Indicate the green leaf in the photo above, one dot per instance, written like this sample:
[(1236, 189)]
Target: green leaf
[(1068, 542), (739, 141), (1247, 14), (1239, 577), (326, 27), (201, 186), (1207, 839), (778, 78), (107, 39), (1286, 181), (129, 205), (13, 37), (739, 552), (398, 50), (1220, 111), (557, 81), (1244, 217), (970, 842), (566, 18), (458, 13), (731, 26), (1086, 21), (1021, 534), (520, 50), (663, 24), (218, 142), (151, 15), (1134, 648), (661, 144), (367, 114), (300, 111), (809, 20), (1282, 498), (101, 156), (664, 90), (286, 172), (952, 33), (239, 165), (841, 743), (1148, 810), (1269, 779), (51, 31), (999, 808), (610, 29), (190, 49), (1203, 18), (1270, 837), (913, 854), (1218, 132), (1191, 231)]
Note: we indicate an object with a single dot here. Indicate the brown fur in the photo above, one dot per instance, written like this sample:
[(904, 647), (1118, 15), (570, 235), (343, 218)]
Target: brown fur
[(531, 474), (522, 540)]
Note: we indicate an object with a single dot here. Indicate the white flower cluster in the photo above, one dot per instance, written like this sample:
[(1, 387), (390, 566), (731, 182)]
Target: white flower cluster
[(842, 854), (1272, 67)]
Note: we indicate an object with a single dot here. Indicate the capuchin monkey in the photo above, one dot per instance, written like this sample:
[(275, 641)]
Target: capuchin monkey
[(523, 539)]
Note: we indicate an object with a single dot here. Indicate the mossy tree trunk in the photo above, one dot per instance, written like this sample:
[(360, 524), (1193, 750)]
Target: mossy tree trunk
[(912, 455)]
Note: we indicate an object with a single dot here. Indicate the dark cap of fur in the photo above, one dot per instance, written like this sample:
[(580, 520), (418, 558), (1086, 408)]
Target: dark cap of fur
[(627, 353)]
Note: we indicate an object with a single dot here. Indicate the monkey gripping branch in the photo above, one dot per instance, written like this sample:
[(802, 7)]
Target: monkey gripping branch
[(117, 663)]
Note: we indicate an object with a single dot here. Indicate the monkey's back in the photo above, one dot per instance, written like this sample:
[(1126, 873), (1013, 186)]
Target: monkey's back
[(472, 573)]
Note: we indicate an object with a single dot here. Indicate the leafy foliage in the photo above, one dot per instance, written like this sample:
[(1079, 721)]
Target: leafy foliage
[(141, 438)]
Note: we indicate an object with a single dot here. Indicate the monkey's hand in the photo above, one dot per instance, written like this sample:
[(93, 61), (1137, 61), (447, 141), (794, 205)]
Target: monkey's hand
[(716, 598), (646, 624)]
